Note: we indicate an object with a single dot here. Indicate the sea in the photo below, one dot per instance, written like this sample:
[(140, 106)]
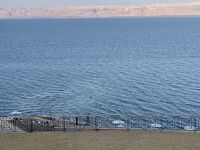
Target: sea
[(74, 66)]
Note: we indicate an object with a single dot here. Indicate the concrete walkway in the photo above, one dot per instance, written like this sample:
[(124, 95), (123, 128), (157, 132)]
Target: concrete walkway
[(101, 140)]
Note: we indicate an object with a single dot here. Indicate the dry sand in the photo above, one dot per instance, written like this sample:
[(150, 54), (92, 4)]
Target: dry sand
[(101, 140)]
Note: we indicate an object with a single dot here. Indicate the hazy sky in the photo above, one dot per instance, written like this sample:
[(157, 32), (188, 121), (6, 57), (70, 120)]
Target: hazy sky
[(50, 3)]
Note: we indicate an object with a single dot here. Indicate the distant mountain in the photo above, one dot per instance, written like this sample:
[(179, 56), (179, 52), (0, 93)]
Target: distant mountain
[(104, 11)]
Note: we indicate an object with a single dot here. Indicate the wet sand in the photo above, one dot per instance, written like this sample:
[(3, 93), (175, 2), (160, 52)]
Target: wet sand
[(101, 140)]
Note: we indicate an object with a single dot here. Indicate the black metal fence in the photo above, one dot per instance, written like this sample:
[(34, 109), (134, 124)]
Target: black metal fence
[(147, 122)]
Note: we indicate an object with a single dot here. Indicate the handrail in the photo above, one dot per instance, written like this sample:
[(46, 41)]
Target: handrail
[(137, 115), (115, 115), (164, 122)]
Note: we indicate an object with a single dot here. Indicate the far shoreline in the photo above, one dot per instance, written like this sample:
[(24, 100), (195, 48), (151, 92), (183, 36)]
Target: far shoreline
[(100, 17)]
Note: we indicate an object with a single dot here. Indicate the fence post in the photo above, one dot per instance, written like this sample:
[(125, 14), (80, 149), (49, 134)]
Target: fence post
[(127, 124), (15, 124), (96, 124), (1, 124), (76, 121), (195, 122), (64, 124), (31, 125), (87, 120), (161, 123)]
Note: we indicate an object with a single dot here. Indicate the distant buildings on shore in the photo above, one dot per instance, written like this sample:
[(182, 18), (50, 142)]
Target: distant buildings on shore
[(104, 11)]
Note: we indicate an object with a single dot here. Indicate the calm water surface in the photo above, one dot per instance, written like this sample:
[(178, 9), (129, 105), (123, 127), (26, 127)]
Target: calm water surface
[(78, 66)]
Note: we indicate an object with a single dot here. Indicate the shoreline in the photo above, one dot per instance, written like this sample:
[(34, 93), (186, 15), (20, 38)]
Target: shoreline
[(100, 17)]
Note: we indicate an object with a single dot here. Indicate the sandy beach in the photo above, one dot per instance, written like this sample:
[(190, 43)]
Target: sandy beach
[(101, 140)]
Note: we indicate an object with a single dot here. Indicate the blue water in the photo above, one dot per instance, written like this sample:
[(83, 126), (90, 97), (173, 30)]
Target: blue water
[(79, 66)]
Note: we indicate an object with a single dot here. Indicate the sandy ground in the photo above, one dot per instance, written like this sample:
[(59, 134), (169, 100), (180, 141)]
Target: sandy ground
[(101, 140)]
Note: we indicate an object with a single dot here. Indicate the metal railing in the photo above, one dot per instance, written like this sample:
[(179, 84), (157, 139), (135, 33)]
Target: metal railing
[(147, 122), (5, 123)]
